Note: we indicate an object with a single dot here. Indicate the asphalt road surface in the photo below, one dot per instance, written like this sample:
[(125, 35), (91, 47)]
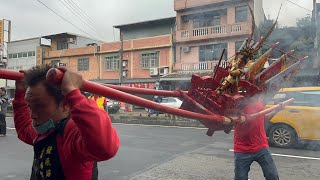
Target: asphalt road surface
[(168, 153)]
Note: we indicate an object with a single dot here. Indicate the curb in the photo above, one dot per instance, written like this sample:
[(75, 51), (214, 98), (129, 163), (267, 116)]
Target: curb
[(164, 121)]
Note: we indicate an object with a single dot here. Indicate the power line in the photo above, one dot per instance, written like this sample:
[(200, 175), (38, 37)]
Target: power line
[(299, 5), (65, 19), (70, 8), (85, 16)]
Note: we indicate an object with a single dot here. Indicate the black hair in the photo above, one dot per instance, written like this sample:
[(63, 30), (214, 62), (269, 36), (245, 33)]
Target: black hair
[(3, 89), (38, 74)]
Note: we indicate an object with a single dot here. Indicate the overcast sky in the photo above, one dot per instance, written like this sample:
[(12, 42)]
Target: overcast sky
[(32, 19)]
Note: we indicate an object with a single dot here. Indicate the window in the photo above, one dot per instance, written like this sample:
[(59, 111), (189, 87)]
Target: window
[(305, 98), (24, 54), (216, 20), (62, 45), (19, 55), (14, 55), (55, 62), (149, 60), (112, 62), (241, 14), (198, 23), (31, 53), (83, 64), (212, 52), (10, 56)]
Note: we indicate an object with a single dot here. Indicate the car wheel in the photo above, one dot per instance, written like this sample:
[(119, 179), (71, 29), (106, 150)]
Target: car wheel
[(282, 136)]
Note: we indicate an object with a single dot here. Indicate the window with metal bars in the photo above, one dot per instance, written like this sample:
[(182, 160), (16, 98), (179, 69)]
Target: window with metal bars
[(149, 59), (83, 64), (112, 62)]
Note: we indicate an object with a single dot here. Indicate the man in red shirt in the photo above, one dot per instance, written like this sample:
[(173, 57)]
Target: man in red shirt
[(69, 133), (250, 144)]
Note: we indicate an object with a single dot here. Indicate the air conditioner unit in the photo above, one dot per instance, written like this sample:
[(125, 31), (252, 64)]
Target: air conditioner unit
[(186, 49), (153, 71), (163, 71), (125, 63), (124, 73), (61, 64), (71, 40)]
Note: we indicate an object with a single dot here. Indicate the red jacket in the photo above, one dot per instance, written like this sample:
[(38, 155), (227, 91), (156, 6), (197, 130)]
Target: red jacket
[(250, 137), (87, 137)]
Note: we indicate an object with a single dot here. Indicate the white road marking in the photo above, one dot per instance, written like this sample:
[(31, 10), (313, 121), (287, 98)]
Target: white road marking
[(290, 156), (10, 128)]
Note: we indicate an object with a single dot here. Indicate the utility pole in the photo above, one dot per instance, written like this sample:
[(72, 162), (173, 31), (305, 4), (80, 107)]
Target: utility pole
[(315, 14), (121, 58), (316, 41)]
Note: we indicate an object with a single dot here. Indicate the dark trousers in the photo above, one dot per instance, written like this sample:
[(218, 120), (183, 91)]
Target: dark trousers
[(263, 158), (3, 124), (151, 111)]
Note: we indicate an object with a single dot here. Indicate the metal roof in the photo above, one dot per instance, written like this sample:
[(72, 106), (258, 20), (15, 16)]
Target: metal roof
[(149, 22)]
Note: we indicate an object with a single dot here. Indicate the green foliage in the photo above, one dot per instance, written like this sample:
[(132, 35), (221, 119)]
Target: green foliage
[(307, 27), (302, 44)]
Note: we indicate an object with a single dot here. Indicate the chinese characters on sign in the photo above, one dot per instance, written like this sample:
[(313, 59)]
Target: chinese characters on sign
[(140, 85)]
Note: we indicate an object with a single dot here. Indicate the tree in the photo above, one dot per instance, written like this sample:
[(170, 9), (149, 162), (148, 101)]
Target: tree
[(307, 28)]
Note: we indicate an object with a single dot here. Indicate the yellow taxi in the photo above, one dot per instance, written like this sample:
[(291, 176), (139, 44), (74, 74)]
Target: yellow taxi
[(300, 120)]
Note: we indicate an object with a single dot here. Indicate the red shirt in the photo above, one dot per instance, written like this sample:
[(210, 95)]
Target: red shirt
[(88, 136), (250, 137)]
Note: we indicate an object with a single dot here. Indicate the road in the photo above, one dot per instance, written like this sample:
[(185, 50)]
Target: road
[(168, 153)]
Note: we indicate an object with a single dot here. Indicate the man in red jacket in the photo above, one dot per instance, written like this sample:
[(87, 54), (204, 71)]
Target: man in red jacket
[(69, 133), (250, 144)]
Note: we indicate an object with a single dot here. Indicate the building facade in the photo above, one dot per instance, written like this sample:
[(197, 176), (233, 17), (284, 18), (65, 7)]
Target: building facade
[(204, 29), (26, 53), (22, 54), (146, 55)]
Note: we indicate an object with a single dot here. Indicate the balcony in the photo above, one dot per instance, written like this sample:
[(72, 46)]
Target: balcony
[(200, 66), (213, 32)]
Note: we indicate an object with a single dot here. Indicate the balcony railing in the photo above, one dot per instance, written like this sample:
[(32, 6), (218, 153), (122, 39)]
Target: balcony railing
[(207, 65), (213, 31)]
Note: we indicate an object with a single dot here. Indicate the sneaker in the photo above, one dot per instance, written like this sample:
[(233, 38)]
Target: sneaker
[(2, 135)]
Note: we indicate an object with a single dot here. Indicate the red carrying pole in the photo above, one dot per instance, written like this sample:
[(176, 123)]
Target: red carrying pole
[(12, 75), (55, 76), (277, 107), (133, 90)]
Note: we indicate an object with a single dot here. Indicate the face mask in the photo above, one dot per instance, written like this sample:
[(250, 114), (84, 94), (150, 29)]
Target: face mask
[(45, 127)]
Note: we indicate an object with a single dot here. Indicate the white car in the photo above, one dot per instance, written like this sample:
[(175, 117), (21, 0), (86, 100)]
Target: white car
[(171, 102)]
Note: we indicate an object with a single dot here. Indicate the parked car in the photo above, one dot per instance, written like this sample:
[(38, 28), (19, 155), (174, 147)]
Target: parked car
[(113, 106), (171, 102), (300, 120)]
